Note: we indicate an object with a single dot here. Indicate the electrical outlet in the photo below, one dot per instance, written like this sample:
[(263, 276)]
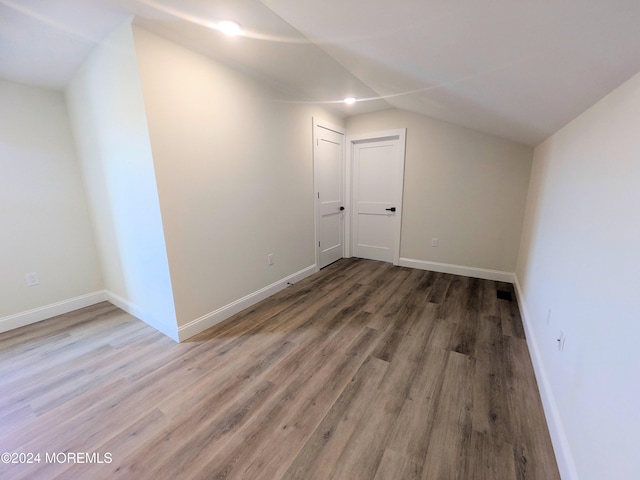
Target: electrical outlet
[(270, 259), (32, 279), (434, 242), (561, 339)]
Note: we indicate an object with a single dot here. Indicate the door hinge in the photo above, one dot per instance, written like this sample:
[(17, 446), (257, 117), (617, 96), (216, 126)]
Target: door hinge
[(318, 244), (318, 195)]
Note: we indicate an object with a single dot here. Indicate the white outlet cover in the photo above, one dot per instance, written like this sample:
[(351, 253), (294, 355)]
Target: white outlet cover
[(32, 279), (561, 340)]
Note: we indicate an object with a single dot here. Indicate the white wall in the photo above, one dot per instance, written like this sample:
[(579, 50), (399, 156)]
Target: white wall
[(44, 220), (580, 257), (107, 112), (466, 188), (235, 178)]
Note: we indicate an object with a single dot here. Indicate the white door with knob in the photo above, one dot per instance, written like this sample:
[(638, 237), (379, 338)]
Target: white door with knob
[(328, 166), (376, 164)]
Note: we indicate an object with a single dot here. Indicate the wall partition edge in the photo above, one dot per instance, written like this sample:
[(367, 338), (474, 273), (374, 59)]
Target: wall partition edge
[(142, 315)]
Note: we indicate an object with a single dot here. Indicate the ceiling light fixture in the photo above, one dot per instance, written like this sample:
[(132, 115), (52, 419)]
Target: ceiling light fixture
[(228, 28), (350, 100)]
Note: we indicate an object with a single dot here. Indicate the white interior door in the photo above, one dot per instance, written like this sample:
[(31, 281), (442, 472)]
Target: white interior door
[(377, 176), (328, 161)]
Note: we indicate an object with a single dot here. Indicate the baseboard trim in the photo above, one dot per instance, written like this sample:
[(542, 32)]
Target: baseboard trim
[(486, 274), (132, 309), (39, 314), (561, 447), (210, 319)]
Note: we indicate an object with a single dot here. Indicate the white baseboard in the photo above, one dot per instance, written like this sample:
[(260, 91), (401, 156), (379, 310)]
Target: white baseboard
[(486, 274), (210, 319), (561, 447), (48, 311), (169, 330)]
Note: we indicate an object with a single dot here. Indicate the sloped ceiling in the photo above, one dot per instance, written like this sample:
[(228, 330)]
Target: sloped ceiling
[(519, 70)]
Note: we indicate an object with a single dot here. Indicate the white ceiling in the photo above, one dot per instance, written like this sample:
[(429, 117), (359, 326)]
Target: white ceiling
[(516, 69)]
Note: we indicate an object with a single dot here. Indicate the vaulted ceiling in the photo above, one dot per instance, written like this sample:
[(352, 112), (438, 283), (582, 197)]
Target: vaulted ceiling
[(516, 69)]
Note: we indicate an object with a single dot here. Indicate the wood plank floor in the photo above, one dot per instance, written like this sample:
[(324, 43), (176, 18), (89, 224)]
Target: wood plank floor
[(362, 371)]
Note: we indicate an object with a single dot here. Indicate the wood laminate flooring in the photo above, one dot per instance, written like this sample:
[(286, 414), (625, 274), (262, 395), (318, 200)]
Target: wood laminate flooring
[(362, 371)]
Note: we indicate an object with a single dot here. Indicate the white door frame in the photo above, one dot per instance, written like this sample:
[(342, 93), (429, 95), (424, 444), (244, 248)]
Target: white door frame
[(318, 123), (352, 140)]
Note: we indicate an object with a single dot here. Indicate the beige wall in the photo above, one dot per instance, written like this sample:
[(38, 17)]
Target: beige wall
[(579, 260), (107, 112), (465, 188), (234, 172), (44, 220)]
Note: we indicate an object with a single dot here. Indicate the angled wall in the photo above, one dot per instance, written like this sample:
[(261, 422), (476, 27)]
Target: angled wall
[(578, 274), (235, 180), (110, 128)]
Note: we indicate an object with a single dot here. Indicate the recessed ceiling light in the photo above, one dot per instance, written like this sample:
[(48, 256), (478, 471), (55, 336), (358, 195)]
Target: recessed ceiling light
[(350, 100), (228, 28)]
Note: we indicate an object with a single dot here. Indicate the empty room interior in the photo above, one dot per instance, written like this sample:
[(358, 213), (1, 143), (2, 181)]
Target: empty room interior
[(284, 239)]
